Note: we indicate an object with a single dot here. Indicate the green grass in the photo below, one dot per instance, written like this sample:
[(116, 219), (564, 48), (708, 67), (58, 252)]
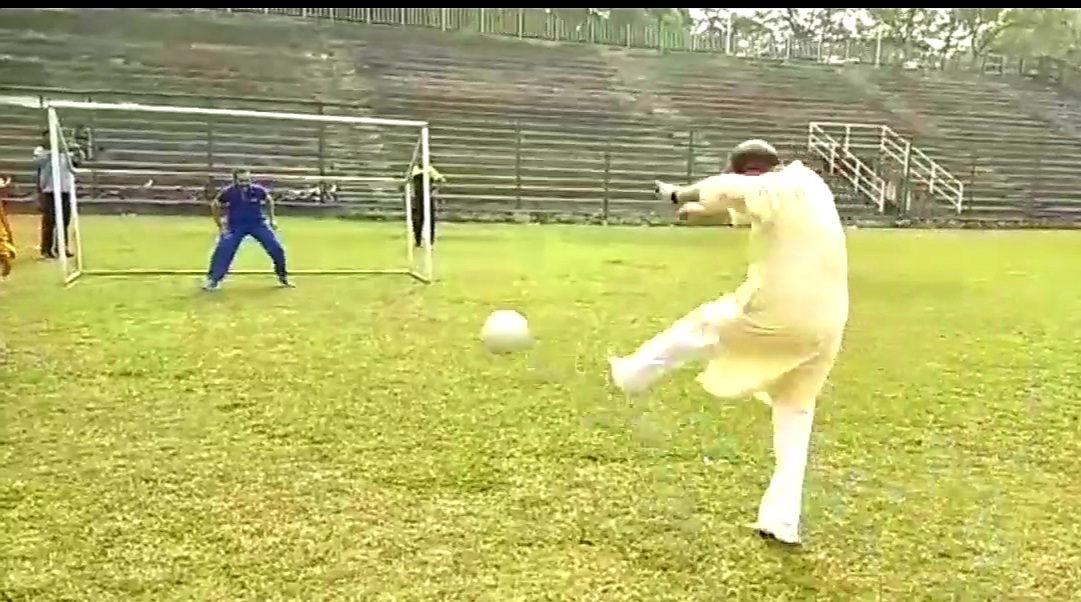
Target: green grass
[(348, 440)]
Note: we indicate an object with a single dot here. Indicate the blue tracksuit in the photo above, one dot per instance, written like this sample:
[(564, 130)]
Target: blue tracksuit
[(245, 215)]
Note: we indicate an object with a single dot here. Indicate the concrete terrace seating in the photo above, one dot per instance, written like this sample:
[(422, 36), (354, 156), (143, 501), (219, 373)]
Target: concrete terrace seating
[(1010, 157), (485, 90), (474, 142), (516, 125), (729, 100)]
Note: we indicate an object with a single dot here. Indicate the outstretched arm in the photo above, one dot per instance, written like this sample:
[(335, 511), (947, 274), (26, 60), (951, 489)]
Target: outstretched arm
[(713, 195)]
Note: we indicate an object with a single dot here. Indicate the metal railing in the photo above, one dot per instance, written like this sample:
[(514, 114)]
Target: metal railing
[(919, 168), (915, 165), (842, 161), (660, 35)]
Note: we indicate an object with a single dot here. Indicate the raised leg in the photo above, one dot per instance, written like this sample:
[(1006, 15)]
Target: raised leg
[(222, 258), (273, 247), (691, 338)]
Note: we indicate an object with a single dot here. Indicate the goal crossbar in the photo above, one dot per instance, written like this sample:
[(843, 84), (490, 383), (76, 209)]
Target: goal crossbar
[(255, 174), (145, 108), (58, 144)]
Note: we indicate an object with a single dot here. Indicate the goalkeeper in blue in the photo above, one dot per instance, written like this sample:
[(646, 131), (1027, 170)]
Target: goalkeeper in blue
[(240, 210)]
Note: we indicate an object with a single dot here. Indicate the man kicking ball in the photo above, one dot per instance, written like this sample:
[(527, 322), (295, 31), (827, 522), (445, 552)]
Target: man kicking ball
[(249, 211), (776, 337)]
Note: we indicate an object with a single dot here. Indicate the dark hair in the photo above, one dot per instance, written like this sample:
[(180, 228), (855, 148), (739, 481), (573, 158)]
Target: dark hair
[(753, 155), (754, 161)]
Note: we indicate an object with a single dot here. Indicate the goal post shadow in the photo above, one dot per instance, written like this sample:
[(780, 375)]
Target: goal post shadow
[(74, 268)]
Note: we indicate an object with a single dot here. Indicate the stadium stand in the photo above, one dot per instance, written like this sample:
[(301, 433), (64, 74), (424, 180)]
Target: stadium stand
[(519, 126), (999, 135)]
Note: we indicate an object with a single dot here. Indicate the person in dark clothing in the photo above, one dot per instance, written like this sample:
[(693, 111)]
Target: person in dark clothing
[(417, 201), (43, 167)]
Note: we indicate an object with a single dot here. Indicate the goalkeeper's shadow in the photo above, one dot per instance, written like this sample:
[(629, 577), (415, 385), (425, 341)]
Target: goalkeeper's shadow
[(237, 291)]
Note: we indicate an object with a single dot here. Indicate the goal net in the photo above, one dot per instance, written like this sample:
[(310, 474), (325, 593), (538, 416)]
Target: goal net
[(145, 176)]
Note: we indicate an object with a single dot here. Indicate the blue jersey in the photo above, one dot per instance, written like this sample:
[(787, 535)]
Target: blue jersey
[(244, 205)]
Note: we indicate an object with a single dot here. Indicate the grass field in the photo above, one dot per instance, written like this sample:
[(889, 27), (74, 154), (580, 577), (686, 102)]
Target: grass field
[(348, 440)]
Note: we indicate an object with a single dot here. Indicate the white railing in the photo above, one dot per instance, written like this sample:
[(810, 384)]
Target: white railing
[(922, 169), (915, 165), (840, 160)]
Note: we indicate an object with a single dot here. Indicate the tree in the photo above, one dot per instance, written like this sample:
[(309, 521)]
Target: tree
[(811, 24), (713, 21), (749, 32), (907, 28), (575, 18), (1053, 32), (949, 30), (981, 27)]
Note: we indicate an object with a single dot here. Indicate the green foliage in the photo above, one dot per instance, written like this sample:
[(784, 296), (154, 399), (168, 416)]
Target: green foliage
[(622, 17), (1054, 32), (974, 32)]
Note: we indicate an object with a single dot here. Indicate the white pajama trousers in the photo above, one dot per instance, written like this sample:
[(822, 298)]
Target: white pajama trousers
[(789, 381)]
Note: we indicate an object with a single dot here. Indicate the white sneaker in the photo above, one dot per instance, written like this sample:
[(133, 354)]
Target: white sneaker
[(626, 378), (782, 532)]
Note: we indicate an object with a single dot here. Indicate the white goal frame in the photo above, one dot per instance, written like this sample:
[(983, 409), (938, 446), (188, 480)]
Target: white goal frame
[(75, 268)]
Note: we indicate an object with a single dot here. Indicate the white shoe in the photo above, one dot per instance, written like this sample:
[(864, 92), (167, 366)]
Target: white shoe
[(626, 378), (782, 532)]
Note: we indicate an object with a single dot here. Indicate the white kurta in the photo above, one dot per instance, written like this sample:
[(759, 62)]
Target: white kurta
[(779, 332), (776, 336)]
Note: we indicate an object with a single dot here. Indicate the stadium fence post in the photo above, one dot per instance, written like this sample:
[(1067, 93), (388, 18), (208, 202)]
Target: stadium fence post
[(690, 156), (518, 165), (607, 178)]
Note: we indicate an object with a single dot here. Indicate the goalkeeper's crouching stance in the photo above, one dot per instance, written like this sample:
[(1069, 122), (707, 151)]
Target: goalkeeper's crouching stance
[(776, 337), (249, 211)]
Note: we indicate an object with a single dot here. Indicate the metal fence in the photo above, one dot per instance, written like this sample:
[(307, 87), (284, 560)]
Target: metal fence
[(605, 167), (543, 25)]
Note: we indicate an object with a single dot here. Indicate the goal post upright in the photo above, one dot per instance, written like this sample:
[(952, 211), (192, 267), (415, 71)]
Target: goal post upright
[(427, 209), (57, 145), (74, 268), (421, 153)]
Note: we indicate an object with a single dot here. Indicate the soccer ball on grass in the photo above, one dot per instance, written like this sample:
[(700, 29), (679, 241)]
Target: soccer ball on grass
[(506, 331)]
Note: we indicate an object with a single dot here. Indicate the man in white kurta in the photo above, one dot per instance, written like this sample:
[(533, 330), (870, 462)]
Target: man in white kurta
[(776, 337)]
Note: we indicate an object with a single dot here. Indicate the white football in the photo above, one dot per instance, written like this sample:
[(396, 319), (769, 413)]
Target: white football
[(506, 331)]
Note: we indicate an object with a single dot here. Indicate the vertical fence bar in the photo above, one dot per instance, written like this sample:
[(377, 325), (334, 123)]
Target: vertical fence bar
[(518, 165), (90, 153), (605, 207), (322, 153), (690, 156), (210, 159)]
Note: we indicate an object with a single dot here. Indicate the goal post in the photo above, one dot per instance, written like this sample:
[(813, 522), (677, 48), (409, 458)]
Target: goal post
[(244, 131)]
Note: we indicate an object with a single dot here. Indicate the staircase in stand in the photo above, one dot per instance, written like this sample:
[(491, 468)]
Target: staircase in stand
[(841, 161), (895, 154)]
